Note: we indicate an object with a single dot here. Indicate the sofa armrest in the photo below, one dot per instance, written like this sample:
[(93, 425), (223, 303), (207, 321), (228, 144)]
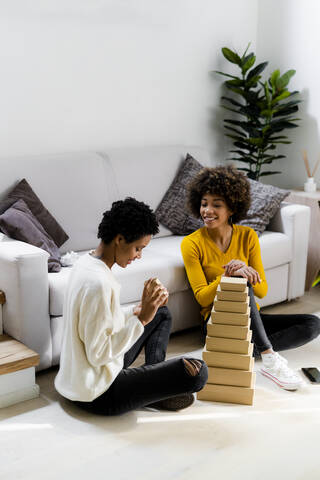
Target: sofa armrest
[(294, 221), (24, 280)]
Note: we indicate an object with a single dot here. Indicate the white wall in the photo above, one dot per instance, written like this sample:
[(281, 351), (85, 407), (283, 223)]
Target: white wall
[(86, 74), (289, 37)]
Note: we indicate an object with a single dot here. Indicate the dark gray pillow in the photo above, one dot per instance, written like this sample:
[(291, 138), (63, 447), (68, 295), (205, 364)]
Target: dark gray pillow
[(51, 226), (172, 211), (19, 223), (265, 201)]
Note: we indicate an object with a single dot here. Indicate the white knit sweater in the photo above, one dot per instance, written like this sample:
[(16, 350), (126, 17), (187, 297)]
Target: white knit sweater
[(97, 331)]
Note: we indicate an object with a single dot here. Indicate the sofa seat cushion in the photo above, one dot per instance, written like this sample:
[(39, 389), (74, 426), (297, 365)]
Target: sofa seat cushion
[(161, 258), (276, 249)]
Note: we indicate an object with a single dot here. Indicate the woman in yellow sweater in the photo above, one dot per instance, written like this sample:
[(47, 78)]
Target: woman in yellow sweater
[(221, 197)]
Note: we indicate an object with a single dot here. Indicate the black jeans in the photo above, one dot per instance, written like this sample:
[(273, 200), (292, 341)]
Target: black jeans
[(155, 380), (280, 332)]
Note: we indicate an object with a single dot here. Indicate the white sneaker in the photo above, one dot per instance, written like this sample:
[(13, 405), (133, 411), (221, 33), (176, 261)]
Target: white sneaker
[(275, 368), (282, 359)]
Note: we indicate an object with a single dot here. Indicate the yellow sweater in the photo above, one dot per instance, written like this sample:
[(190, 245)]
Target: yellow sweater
[(203, 261)]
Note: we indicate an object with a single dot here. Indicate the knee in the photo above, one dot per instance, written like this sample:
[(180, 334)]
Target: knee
[(312, 326), (199, 377)]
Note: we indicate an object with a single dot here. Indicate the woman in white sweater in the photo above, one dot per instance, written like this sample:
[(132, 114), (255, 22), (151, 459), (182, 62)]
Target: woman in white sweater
[(101, 340)]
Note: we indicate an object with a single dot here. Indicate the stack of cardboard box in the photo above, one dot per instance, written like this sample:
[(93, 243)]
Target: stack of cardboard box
[(228, 351)]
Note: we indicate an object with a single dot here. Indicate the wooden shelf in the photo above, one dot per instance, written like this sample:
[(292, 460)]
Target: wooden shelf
[(15, 356)]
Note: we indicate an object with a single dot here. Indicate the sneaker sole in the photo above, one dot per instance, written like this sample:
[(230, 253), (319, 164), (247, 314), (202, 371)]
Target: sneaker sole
[(285, 386)]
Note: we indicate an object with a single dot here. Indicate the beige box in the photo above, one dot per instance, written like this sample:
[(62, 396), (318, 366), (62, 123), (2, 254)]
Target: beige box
[(237, 361), (231, 295), (227, 331), (229, 345), (231, 318), (228, 376), (227, 306), (233, 283), (227, 393)]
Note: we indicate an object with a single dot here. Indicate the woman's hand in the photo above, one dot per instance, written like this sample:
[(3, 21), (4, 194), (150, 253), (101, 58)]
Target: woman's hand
[(137, 310), (232, 267), (249, 273), (153, 297)]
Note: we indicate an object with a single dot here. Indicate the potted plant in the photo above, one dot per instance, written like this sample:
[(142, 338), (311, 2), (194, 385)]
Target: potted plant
[(262, 110)]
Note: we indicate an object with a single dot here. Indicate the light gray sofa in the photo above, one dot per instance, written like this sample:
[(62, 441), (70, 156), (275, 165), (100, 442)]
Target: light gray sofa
[(77, 188)]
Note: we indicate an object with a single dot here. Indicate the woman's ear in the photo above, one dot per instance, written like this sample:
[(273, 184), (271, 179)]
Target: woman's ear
[(118, 239)]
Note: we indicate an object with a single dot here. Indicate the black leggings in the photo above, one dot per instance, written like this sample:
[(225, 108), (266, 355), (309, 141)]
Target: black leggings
[(155, 380), (280, 332)]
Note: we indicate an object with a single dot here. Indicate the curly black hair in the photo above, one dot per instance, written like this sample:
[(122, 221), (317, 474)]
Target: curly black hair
[(228, 182), (130, 218)]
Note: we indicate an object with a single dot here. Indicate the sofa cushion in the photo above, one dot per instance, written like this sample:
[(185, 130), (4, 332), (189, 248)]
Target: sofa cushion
[(24, 191), (276, 249), (19, 223), (172, 211), (265, 201), (161, 258)]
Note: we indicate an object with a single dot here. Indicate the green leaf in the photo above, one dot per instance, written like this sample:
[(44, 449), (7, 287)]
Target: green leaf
[(239, 152), (235, 83), (273, 78), (234, 137), (252, 82), (249, 62), (224, 74), (233, 57), (232, 110), (239, 91), (256, 70), (268, 113), (266, 92), (245, 52), (235, 131), (272, 157), (243, 145), (234, 102), (285, 111), (256, 141), (281, 137), (280, 97), (263, 174), (282, 82)]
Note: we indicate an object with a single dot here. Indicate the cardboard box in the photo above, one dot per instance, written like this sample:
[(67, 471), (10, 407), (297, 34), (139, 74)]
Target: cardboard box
[(229, 345), (231, 318), (233, 283), (229, 376), (227, 393), (237, 361), (227, 331), (228, 306), (231, 295)]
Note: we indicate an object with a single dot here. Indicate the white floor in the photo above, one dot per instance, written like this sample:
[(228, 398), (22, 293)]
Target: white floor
[(278, 437)]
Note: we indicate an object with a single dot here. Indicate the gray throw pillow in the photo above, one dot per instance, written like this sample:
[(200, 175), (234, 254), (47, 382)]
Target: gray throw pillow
[(265, 201), (172, 211), (49, 223), (19, 223)]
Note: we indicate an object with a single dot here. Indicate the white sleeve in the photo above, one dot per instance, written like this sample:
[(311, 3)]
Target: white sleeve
[(97, 327), (128, 311)]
